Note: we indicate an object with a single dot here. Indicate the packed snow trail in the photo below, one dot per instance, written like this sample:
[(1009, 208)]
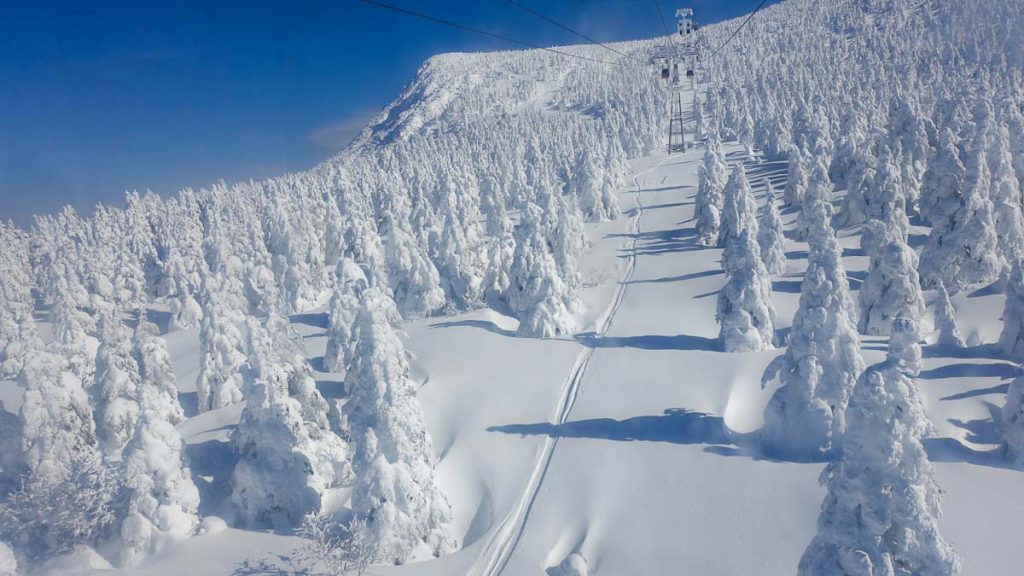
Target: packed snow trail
[(499, 548)]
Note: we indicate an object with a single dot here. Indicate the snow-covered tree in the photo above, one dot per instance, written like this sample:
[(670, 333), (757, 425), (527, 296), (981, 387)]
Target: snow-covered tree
[(771, 235), (711, 180), (221, 346), (17, 328), (350, 281), (816, 202), (566, 239), (944, 182), (71, 328), (745, 310), (537, 293), (891, 289), (885, 198), (963, 250), (945, 318), (595, 189), (162, 500), (501, 249), (1006, 198), (158, 390), (459, 255), (739, 210), (796, 179), (116, 391), (1011, 340), (396, 491), (275, 482), (54, 512), (880, 514), (57, 420), (412, 276), (804, 417)]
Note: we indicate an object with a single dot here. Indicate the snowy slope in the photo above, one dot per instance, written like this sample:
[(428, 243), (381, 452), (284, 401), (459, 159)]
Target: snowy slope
[(628, 443), (651, 470)]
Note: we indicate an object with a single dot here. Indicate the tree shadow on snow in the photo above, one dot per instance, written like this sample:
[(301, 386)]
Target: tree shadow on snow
[(984, 430), (964, 370), (660, 206), (966, 352), (787, 286), (681, 278), (997, 389), (675, 426), (651, 342), (950, 450), (483, 324), (189, 403), (331, 389), (314, 319), (212, 463), (990, 290), (658, 242)]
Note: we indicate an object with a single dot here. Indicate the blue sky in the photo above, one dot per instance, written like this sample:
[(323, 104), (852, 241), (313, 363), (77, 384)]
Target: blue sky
[(101, 97)]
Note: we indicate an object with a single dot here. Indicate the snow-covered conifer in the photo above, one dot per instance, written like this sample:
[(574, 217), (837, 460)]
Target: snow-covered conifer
[(804, 417), (739, 210), (1006, 198), (396, 492), (220, 350), (412, 276), (963, 250), (116, 389), (1011, 340), (275, 482), (57, 420), (712, 176), (350, 281), (884, 198), (501, 248), (880, 514), (71, 337), (770, 234), (796, 179), (945, 318), (745, 310), (162, 500), (158, 390), (595, 189), (944, 182), (816, 205), (537, 294), (459, 257), (566, 239), (17, 328), (891, 290)]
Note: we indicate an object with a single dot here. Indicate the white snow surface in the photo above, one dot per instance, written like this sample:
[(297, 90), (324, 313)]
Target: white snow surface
[(626, 443)]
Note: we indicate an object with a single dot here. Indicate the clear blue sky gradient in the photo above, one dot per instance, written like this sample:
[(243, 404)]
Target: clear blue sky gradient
[(101, 97)]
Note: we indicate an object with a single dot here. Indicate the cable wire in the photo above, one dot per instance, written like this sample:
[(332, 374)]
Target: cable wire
[(465, 28), (568, 29), (664, 23), (737, 30)]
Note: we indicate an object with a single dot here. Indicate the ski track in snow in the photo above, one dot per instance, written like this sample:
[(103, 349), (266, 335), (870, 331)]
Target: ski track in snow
[(499, 548)]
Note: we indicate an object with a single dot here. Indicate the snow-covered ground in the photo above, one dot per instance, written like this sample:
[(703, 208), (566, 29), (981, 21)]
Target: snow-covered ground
[(627, 444), (630, 442)]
